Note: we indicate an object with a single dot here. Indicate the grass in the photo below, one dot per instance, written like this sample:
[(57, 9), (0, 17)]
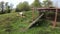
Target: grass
[(12, 23), (39, 30)]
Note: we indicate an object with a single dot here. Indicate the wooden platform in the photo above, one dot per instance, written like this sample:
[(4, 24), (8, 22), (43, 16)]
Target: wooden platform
[(49, 9), (46, 8), (41, 10)]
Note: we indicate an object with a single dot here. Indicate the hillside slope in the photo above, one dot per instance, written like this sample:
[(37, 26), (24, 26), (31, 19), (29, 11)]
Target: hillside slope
[(12, 21)]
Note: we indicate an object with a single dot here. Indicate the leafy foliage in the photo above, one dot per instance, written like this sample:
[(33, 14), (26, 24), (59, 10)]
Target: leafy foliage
[(4, 7), (47, 3), (36, 4), (7, 8), (23, 6)]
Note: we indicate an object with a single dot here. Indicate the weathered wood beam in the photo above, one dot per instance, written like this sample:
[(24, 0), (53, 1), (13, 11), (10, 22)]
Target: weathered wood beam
[(55, 21), (35, 21)]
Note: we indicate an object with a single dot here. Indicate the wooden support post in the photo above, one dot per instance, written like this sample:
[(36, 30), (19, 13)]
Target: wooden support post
[(55, 21), (33, 14)]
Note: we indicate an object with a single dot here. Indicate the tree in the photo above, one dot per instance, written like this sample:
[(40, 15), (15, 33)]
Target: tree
[(2, 7), (36, 3), (11, 6), (7, 8), (23, 6), (47, 3)]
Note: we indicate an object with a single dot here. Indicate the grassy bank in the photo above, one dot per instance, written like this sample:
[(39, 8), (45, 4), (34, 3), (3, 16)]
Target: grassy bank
[(12, 23)]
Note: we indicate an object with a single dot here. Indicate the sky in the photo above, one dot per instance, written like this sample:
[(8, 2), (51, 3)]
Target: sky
[(16, 2)]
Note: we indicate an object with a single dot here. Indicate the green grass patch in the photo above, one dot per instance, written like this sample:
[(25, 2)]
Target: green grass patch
[(12, 21)]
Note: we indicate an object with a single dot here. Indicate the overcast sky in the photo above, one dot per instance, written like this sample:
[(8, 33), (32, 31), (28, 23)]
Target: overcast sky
[(15, 2)]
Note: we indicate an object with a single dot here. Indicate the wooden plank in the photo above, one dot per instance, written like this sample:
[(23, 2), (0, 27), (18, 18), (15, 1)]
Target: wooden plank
[(33, 14), (46, 8), (35, 21)]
